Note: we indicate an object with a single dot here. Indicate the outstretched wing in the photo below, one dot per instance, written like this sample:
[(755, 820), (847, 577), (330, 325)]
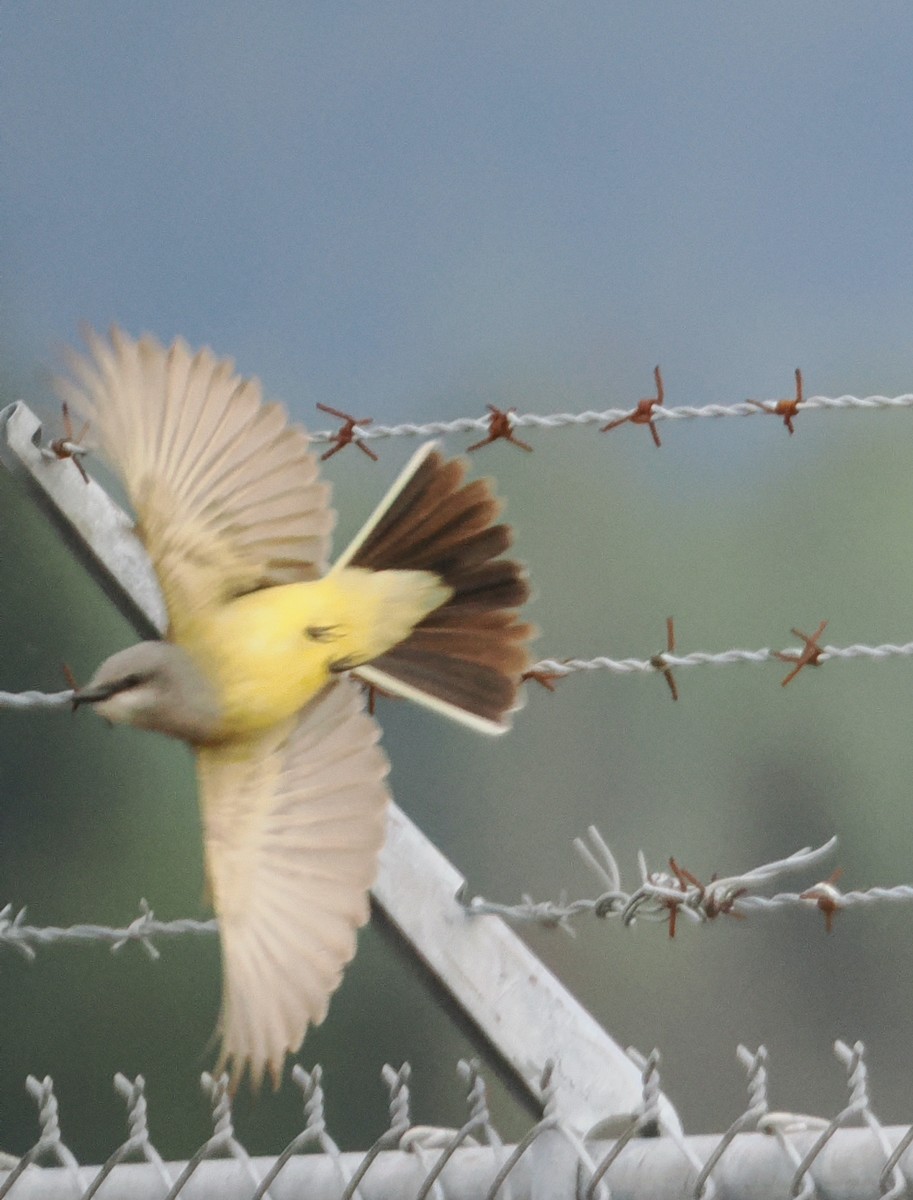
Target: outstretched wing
[(293, 823), (224, 489)]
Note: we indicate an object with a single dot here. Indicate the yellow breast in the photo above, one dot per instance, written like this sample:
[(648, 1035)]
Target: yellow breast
[(257, 653), (270, 652)]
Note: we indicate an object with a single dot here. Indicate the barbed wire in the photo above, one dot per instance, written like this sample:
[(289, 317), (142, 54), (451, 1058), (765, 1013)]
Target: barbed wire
[(664, 894), (660, 896), (353, 431), (27, 939), (637, 1154), (547, 671), (724, 658), (499, 424)]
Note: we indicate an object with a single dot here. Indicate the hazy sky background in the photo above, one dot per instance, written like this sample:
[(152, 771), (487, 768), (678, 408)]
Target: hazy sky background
[(408, 211)]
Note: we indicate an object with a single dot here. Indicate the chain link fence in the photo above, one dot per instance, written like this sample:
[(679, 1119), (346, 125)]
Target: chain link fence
[(630, 1156)]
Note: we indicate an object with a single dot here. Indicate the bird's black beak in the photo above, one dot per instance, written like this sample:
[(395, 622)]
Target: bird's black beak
[(92, 695)]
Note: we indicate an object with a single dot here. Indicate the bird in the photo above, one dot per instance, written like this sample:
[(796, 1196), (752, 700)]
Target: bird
[(269, 649)]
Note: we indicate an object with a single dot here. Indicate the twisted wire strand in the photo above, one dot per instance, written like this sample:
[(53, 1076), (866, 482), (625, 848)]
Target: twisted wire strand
[(801, 1156), (723, 658), (659, 894), (663, 894), (563, 420), (17, 935), (36, 701)]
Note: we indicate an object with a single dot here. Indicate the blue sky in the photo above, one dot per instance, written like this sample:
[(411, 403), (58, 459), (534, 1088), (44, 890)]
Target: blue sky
[(405, 204)]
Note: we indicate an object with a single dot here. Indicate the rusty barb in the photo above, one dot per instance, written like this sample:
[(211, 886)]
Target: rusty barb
[(714, 902), (827, 896), (371, 691), (545, 679), (643, 413), (70, 445), (809, 656), (500, 428), (660, 661), (346, 435), (787, 409)]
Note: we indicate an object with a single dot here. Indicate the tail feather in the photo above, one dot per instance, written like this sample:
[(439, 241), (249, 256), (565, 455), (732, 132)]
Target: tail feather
[(414, 531), (489, 585), (466, 657), (472, 694), (498, 646)]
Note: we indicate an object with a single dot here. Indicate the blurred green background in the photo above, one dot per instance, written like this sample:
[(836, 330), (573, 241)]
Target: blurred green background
[(409, 211)]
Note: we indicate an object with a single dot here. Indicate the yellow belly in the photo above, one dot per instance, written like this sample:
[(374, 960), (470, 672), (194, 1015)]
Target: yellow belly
[(256, 652), (272, 651)]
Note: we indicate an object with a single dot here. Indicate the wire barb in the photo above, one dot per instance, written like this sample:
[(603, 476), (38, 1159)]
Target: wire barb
[(351, 433), (827, 897), (545, 679), (500, 428), (644, 413), (69, 446), (787, 409), (810, 656), (660, 661)]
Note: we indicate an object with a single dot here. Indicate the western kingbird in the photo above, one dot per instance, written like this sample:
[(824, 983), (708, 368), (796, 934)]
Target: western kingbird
[(265, 644)]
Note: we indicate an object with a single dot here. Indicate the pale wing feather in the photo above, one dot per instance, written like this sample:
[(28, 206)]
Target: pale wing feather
[(225, 490), (293, 824)]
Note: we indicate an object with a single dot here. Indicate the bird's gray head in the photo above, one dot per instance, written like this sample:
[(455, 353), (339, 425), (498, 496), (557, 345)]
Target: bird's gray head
[(154, 685)]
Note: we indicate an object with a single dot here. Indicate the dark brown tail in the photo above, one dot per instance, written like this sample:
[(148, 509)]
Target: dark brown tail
[(465, 659)]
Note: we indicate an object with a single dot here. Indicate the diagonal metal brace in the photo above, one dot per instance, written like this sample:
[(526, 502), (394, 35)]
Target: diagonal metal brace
[(518, 1007)]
